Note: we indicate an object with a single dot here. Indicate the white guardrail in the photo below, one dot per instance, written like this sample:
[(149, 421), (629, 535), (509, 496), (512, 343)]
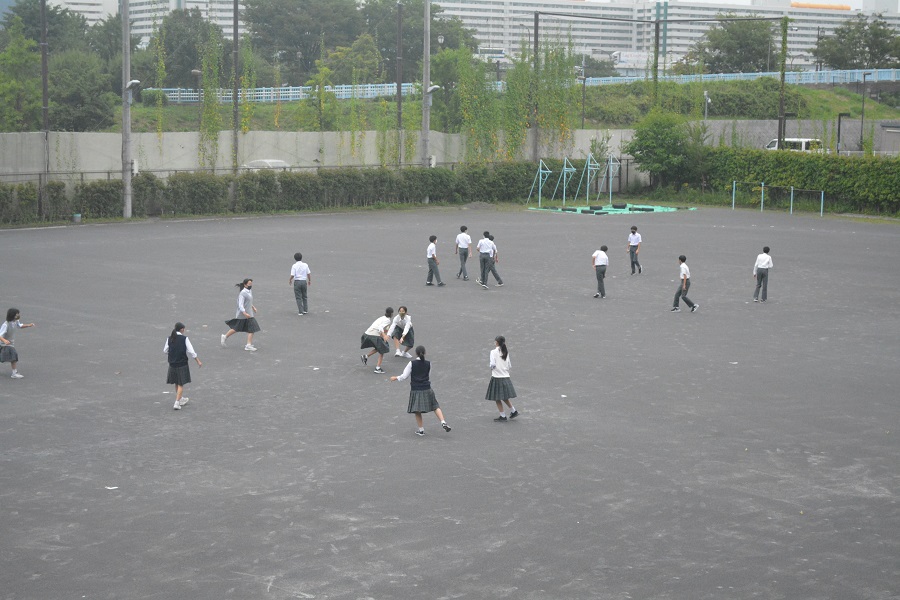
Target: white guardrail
[(389, 90)]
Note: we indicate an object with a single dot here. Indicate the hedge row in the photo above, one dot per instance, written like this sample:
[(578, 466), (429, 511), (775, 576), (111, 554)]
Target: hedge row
[(862, 185), (270, 191), (853, 184)]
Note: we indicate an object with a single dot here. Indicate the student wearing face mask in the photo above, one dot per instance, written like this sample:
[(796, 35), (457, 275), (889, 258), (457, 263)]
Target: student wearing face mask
[(243, 321)]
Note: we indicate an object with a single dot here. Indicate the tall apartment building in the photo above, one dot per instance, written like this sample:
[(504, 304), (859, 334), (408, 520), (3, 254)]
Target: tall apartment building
[(507, 24), (145, 12)]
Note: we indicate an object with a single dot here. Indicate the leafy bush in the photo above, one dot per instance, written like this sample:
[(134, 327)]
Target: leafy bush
[(151, 97), (196, 194), (147, 195), (99, 199), (57, 206)]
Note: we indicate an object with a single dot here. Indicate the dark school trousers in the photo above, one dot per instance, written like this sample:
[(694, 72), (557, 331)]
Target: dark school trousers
[(682, 294)]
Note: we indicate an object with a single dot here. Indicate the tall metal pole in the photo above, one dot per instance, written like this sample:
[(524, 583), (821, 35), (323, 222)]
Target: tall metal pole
[(782, 63), (535, 126), (235, 116), (656, 61), (862, 119), (126, 109), (840, 116), (45, 110), (399, 84), (426, 83)]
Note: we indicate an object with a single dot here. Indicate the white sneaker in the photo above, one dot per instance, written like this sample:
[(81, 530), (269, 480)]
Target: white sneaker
[(184, 401), (17, 376), (407, 355), (222, 340), (177, 406), (398, 353), (250, 348)]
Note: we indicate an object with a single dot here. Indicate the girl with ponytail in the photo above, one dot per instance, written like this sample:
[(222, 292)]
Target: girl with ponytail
[(178, 348), (501, 389), (421, 396)]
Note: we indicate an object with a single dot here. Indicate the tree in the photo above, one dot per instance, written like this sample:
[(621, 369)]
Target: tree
[(360, 63), (599, 68), (20, 81), (105, 37), (381, 22), (735, 47), (289, 31), (658, 145), (860, 44), (184, 34), (80, 99), (65, 30)]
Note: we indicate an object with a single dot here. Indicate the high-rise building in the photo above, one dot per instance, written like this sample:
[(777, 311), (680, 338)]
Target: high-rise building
[(146, 13), (507, 24)]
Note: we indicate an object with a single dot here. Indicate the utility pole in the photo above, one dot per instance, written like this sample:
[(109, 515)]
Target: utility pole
[(127, 87), (426, 83), (45, 110), (235, 99), (399, 84)]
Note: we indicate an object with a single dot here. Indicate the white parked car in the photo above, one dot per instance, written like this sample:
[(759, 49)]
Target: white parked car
[(266, 163)]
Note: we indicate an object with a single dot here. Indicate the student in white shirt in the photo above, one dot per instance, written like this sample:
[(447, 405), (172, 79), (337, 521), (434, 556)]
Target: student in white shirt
[(178, 348), (433, 262), (463, 248), (485, 257), (494, 260), (402, 332), (501, 389), (634, 248), (377, 339), (301, 279), (683, 286), (761, 274), (7, 345), (600, 260)]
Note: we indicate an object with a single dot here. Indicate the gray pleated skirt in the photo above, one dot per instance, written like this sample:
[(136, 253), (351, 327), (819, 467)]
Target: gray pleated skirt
[(8, 354), (179, 375), (500, 388), (410, 340), (422, 401), (374, 341), (243, 325)]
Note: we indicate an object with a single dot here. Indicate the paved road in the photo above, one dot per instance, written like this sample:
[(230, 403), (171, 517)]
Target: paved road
[(743, 451)]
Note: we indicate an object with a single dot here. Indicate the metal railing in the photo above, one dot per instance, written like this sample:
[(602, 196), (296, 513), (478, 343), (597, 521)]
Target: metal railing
[(389, 90)]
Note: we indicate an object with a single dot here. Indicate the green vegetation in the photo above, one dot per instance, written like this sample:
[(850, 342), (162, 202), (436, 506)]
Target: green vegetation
[(616, 106)]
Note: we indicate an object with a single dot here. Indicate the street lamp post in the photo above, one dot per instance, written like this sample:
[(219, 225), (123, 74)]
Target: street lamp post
[(840, 115), (197, 73), (706, 102)]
